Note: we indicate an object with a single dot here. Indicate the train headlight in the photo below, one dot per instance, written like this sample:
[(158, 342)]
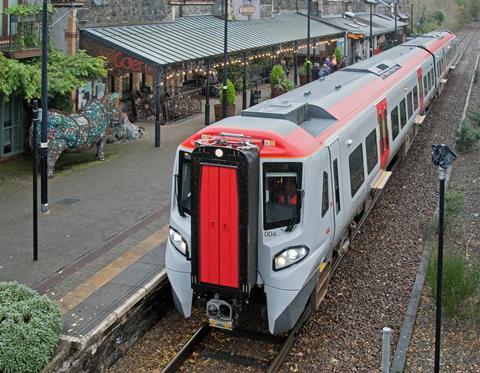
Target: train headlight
[(289, 256), (178, 241)]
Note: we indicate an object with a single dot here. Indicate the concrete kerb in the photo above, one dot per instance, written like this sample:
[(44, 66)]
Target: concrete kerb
[(72, 348), (406, 331)]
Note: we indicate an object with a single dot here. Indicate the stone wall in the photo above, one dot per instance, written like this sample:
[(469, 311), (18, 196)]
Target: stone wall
[(124, 12)]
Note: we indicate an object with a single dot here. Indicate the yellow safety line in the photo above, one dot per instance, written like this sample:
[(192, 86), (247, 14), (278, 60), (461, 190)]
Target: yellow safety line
[(83, 291)]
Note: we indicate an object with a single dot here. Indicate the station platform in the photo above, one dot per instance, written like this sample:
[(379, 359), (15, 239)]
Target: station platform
[(102, 244)]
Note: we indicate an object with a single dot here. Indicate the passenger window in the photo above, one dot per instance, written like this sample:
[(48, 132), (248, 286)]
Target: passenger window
[(425, 84), (395, 123), (337, 186), (355, 163), (410, 104), (429, 81), (403, 113), (325, 200), (371, 148), (415, 98)]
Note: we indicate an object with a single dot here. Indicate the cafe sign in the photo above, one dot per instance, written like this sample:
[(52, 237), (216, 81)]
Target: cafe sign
[(244, 10)]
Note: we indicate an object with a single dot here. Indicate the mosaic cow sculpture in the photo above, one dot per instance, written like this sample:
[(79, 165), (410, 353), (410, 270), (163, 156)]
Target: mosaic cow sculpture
[(99, 121)]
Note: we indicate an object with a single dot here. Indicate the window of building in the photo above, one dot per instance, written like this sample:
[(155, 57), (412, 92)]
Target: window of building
[(403, 113), (325, 201), (415, 98), (355, 162), (371, 149), (395, 123), (410, 104), (337, 186)]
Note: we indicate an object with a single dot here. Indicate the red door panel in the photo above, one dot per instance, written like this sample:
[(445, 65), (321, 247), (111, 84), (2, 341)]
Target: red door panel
[(228, 227), (384, 141), (420, 90), (218, 251)]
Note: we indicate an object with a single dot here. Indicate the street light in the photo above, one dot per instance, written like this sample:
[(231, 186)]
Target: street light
[(371, 4), (395, 7), (442, 157), (309, 11), (43, 131), (225, 60)]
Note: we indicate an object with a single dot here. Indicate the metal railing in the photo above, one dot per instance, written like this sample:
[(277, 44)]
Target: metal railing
[(22, 34)]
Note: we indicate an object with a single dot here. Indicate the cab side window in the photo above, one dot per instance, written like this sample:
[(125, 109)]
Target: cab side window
[(325, 201)]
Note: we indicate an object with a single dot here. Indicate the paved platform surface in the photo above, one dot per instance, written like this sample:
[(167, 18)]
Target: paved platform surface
[(102, 243)]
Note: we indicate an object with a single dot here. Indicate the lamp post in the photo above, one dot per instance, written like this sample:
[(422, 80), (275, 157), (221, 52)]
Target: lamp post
[(309, 11), (395, 5), (371, 3), (225, 60), (411, 19), (43, 127), (442, 157)]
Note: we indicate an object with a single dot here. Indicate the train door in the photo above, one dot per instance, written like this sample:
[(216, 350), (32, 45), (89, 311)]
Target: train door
[(336, 182), (384, 138), (219, 216), (420, 88)]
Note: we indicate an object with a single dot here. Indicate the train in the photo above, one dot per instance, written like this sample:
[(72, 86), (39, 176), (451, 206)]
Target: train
[(265, 202)]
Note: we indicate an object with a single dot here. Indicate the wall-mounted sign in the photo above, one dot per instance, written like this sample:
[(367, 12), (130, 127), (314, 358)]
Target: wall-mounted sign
[(355, 36), (244, 10)]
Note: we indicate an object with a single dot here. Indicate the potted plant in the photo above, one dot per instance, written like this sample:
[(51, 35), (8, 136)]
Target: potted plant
[(279, 81), (230, 102), (306, 67)]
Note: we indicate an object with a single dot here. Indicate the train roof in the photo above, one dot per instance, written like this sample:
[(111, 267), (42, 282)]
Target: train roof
[(320, 107)]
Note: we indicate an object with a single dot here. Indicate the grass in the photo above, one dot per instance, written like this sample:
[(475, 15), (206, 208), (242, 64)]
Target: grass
[(466, 136), (461, 287)]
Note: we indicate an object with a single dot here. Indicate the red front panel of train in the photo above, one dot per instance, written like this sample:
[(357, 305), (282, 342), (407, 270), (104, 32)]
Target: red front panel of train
[(218, 249)]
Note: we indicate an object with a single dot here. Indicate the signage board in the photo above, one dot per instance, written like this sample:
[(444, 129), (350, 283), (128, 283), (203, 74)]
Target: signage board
[(244, 10)]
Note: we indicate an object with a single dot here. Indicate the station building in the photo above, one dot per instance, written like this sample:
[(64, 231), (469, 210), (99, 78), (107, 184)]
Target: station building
[(178, 43)]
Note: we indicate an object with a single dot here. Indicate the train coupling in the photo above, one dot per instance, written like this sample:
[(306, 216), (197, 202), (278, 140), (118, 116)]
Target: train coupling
[(220, 314)]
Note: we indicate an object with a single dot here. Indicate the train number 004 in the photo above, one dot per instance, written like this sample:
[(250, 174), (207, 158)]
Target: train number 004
[(269, 234)]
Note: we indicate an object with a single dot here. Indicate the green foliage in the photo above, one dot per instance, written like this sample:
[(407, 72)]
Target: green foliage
[(438, 16), (279, 80), (454, 204), (30, 327), (475, 115), (24, 10), (460, 286), (61, 103), (307, 66), (339, 55), (466, 137), (65, 74), (235, 74), (277, 75), (230, 94), (287, 85)]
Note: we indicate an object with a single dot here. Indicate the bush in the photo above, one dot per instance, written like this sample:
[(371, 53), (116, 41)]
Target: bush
[(277, 76), (339, 55), (460, 286), (278, 79), (466, 137), (230, 94), (30, 327), (307, 66)]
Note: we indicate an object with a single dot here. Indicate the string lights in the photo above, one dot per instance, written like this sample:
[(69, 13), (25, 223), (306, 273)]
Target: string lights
[(241, 62)]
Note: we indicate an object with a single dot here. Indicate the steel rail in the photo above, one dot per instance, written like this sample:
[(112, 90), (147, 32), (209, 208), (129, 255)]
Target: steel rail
[(187, 349)]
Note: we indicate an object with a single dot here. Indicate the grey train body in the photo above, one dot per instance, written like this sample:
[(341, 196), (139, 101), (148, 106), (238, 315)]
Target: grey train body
[(324, 226)]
